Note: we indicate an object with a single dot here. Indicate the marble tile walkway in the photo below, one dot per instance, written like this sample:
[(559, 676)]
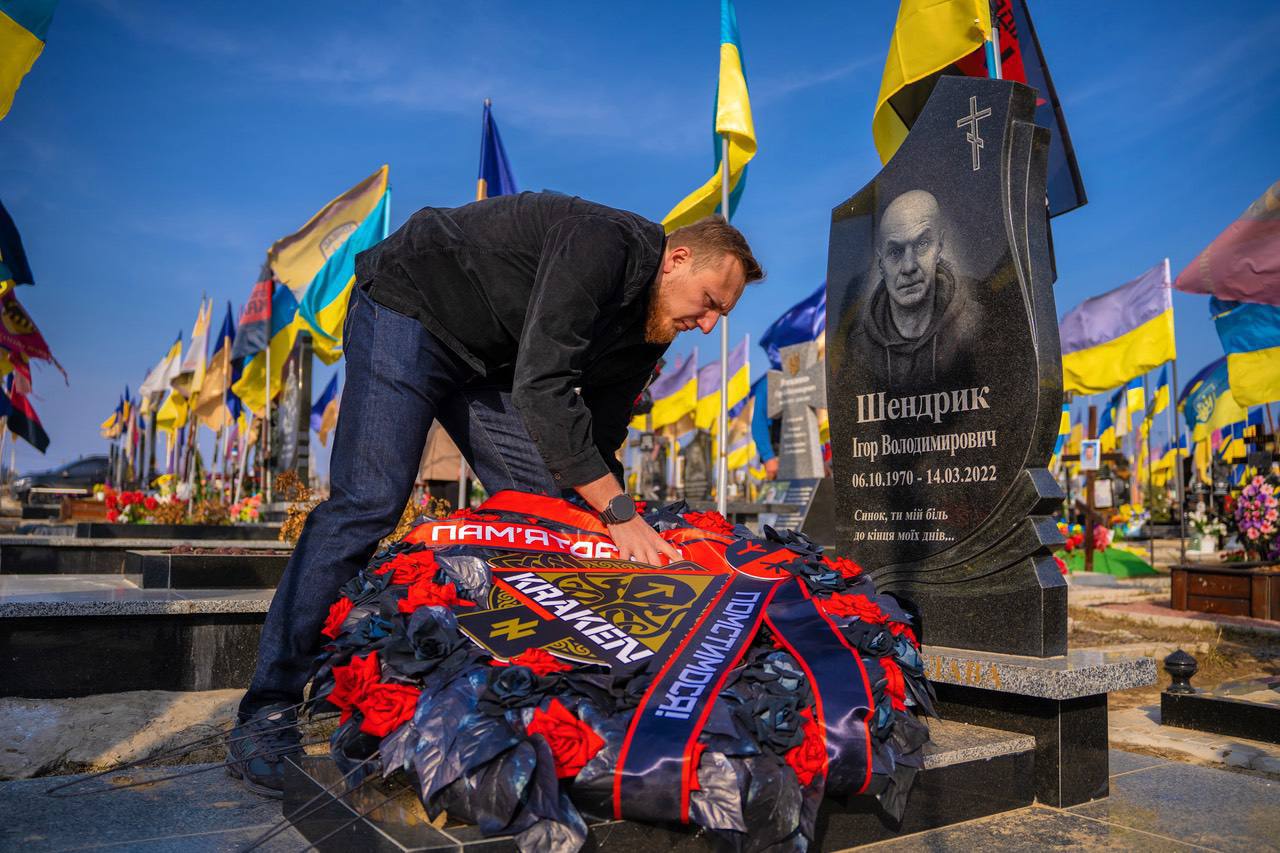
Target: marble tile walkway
[(1154, 805)]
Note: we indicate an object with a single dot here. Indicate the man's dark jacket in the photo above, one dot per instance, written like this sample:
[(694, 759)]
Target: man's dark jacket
[(542, 293), (942, 356)]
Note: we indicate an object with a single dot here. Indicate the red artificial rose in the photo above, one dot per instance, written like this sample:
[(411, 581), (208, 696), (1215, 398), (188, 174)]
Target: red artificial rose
[(710, 521), (1062, 564), (410, 568), (539, 660), (352, 682), (894, 685), (112, 516), (425, 593), (111, 500), (642, 507), (572, 742), (847, 568), (386, 706), (337, 615), (900, 628), (809, 757), (150, 502), (853, 605)]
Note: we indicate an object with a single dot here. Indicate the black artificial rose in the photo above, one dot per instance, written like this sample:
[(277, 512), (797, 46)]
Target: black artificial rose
[(907, 656), (777, 721), (785, 671), (432, 633), (511, 687), (870, 639), (817, 575)]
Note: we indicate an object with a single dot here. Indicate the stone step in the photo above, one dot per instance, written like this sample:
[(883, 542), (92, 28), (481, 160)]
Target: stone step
[(969, 772), (164, 570), (54, 555), (77, 635)]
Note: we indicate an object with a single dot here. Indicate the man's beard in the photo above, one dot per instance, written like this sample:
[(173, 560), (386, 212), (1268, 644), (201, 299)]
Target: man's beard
[(658, 328)]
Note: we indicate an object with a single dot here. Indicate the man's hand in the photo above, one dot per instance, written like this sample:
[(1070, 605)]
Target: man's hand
[(637, 541), (771, 469)]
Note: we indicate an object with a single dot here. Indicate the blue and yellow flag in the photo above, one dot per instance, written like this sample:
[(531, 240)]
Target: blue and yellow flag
[(1250, 334), (285, 324), (928, 37), (674, 394), (1210, 405), (1107, 426), (1110, 338), (1064, 429), (24, 27), (318, 262), (324, 414), (707, 415), (732, 121), (1160, 401), (1136, 397), (496, 177)]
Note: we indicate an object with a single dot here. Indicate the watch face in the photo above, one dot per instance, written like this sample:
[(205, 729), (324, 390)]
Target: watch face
[(622, 508)]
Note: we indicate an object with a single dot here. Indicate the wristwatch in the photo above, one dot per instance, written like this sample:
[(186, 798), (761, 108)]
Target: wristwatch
[(621, 508)]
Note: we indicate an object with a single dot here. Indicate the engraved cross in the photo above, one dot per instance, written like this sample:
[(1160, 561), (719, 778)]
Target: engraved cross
[(973, 137)]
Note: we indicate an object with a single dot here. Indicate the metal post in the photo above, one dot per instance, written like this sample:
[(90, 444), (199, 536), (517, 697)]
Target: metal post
[(1089, 477), (1150, 501), (1175, 427), (994, 69), (722, 460), (264, 447)]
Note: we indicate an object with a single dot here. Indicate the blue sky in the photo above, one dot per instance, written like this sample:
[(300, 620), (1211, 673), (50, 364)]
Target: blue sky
[(157, 149)]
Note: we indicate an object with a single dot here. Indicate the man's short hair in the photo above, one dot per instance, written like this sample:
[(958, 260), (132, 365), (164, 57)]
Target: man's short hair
[(712, 238)]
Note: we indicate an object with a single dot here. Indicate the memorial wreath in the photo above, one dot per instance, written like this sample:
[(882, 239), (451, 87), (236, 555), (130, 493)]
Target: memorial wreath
[(522, 676)]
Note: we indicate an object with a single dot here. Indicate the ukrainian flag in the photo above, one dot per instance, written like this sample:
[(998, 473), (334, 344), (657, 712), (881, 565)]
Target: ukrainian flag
[(24, 26), (929, 36), (1136, 396), (1107, 428), (318, 262), (674, 393), (1109, 339), (732, 120), (707, 415), (496, 177), (1160, 401), (173, 413), (1211, 406), (1064, 429), (286, 321), (1250, 334)]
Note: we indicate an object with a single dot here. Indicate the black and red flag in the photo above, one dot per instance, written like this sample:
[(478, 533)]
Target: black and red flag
[(23, 420)]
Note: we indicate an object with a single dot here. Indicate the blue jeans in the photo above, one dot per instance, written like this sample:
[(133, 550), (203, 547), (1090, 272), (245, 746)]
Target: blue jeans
[(400, 377)]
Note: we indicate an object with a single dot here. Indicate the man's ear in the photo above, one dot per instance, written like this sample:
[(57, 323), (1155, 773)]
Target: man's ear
[(679, 255)]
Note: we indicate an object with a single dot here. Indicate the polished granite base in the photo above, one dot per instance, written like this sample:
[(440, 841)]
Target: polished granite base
[(1246, 709), (56, 555), (161, 569), (1060, 701), (969, 772), (221, 532), (68, 635)]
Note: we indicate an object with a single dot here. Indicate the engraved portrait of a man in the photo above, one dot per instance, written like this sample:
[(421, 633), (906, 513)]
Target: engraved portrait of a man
[(921, 324)]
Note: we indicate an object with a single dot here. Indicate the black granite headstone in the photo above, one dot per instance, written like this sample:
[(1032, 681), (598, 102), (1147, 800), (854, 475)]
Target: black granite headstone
[(945, 381)]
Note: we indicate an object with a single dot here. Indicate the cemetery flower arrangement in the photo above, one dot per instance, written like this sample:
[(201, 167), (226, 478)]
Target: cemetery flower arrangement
[(1073, 534), (525, 689), (1206, 524), (247, 508), (1257, 517)]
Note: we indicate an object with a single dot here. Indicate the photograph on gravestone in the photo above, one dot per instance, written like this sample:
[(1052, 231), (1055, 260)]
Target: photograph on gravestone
[(944, 375), (697, 466), (795, 392)]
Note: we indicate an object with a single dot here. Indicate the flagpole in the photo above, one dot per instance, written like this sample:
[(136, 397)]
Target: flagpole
[(1175, 427), (722, 460), (993, 47), (1150, 501)]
